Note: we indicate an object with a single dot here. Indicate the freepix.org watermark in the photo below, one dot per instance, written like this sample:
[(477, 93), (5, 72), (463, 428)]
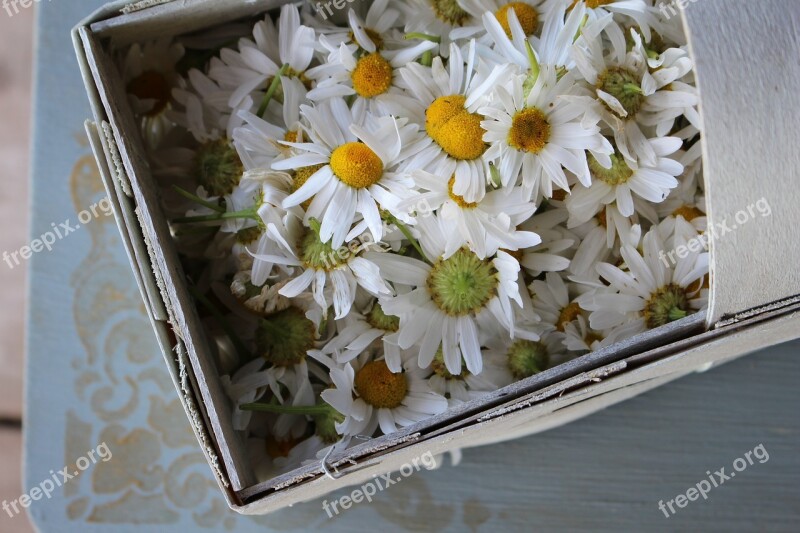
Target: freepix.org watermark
[(12, 7), (671, 9), (703, 487), (371, 488), (47, 240), (716, 231), (58, 479)]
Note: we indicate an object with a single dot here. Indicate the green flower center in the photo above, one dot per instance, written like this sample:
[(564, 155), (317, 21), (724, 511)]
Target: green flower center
[(320, 255), (618, 174), (379, 387), (462, 284), (623, 85), (449, 11), (218, 167), (284, 338), (380, 320), (526, 358), (667, 304)]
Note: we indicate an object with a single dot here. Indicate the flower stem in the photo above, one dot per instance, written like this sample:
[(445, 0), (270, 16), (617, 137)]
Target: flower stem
[(247, 213), (533, 61), (423, 36), (407, 234), (427, 58), (193, 197), (276, 81)]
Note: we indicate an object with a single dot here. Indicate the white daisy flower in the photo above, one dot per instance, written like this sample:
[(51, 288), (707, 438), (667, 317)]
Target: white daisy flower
[(372, 78), (621, 85), (354, 156), (358, 331), (467, 386), (517, 18), (552, 254), (654, 292), (149, 73), (579, 337), (539, 135), (652, 182), (369, 395), (485, 226), (454, 144), (441, 309), (257, 140), (553, 303), (525, 358), (274, 52), (342, 268)]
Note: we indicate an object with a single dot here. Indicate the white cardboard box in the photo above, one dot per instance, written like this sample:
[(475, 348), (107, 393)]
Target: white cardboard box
[(748, 73)]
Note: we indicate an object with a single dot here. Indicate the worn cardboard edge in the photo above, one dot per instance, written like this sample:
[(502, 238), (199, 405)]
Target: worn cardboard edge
[(165, 261), (174, 355), (173, 18)]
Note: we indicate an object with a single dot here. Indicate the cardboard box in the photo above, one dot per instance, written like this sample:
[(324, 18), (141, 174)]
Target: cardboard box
[(749, 106)]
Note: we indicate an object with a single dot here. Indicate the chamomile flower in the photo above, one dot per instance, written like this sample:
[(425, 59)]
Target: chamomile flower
[(258, 141), (485, 226), (616, 184), (353, 168), (286, 50), (299, 247), (149, 73), (652, 293), (579, 337), (621, 85), (467, 386), (441, 309), (538, 136), (454, 144), (622, 14), (358, 331), (520, 17), (369, 395), (373, 78), (553, 303), (525, 358)]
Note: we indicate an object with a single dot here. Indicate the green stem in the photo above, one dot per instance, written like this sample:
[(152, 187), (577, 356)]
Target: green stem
[(427, 58), (532, 60), (276, 81), (193, 197), (247, 213), (407, 234), (424, 37), (310, 410), (241, 349)]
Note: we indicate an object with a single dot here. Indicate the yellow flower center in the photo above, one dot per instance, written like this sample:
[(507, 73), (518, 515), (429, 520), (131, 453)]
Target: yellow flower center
[(529, 131), (151, 85), (290, 136), (456, 130), (356, 165), (688, 212), (372, 75), (568, 314), (528, 17), (459, 200), (379, 387)]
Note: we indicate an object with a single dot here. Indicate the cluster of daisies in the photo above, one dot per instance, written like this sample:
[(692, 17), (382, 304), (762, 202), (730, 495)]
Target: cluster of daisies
[(423, 204)]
